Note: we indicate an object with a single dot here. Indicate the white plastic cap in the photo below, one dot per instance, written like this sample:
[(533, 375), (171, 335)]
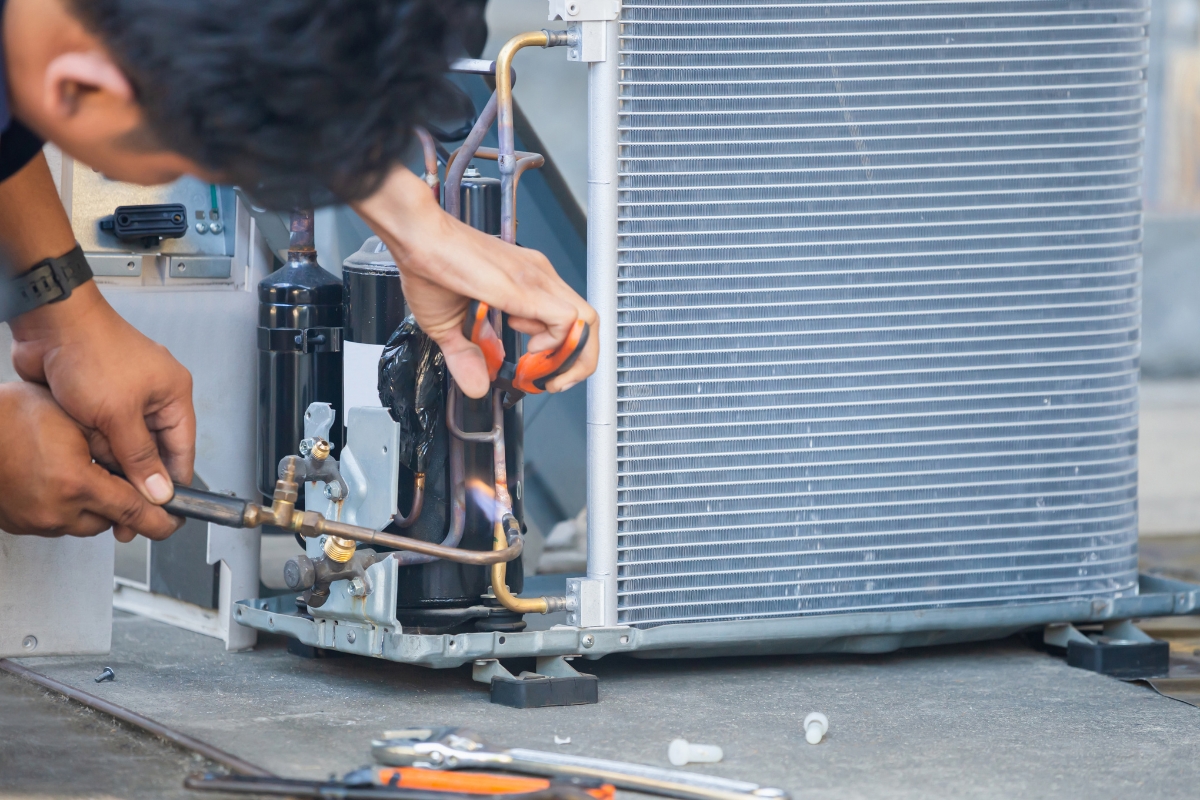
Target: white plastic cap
[(815, 726), (682, 752)]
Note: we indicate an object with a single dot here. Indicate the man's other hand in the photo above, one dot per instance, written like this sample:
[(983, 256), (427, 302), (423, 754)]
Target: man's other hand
[(132, 399), (51, 485), (444, 264)]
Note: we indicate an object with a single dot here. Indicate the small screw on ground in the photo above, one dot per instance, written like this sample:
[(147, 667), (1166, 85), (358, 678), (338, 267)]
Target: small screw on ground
[(106, 675)]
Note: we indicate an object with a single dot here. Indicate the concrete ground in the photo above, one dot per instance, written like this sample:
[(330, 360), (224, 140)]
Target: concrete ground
[(996, 719)]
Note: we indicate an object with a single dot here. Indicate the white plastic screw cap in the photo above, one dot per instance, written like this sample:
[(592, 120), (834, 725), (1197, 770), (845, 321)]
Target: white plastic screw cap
[(683, 752), (815, 726)]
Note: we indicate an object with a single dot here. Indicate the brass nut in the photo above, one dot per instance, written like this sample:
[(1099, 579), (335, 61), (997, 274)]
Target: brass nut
[(339, 549), (320, 450), (285, 490)]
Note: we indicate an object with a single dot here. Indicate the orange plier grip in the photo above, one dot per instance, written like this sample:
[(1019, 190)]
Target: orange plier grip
[(533, 370), (471, 782), (477, 328)]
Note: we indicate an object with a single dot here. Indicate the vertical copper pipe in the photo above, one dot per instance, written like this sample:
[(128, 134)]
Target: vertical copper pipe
[(504, 128), (431, 164)]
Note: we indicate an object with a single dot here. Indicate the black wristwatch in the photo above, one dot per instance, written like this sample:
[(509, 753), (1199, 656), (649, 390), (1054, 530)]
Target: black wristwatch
[(49, 281)]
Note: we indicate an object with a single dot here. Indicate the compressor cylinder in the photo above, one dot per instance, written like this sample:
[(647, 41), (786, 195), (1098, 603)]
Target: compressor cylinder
[(299, 350), (373, 310)]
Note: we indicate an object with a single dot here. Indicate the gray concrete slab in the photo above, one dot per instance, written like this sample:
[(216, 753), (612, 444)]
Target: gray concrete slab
[(989, 720), (53, 749)]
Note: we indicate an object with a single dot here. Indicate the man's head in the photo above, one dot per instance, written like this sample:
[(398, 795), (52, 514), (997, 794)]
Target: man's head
[(286, 98)]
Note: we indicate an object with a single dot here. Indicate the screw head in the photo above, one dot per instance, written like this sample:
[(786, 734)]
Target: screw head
[(357, 589), (333, 491), (29, 643), (201, 227), (216, 227), (350, 637), (306, 446), (588, 640)]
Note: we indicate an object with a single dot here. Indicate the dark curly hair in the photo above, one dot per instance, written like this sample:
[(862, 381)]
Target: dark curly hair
[(299, 102)]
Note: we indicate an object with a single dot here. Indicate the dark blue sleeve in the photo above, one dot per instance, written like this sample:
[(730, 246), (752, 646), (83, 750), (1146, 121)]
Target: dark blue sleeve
[(18, 146)]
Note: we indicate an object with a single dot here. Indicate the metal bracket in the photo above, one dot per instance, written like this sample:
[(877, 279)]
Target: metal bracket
[(584, 10), (556, 667), (1058, 634), (485, 669), (585, 602), (1124, 629), (586, 20)]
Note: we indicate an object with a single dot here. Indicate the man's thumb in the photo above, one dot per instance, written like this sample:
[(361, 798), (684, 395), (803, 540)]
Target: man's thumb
[(135, 450)]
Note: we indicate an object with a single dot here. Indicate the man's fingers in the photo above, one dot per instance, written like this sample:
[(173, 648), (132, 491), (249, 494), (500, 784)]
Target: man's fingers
[(584, 366), (124, 534), (136, 451), (118, 501), (175, 429)]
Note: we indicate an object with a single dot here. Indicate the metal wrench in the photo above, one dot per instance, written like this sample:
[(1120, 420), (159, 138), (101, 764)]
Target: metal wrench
[(458, 748)]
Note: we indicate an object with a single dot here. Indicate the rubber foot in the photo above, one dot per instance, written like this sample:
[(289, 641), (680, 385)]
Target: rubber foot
[(1126, 660), (540, 691)]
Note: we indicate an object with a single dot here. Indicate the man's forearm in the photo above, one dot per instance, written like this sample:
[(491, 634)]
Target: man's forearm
[(33, 223)]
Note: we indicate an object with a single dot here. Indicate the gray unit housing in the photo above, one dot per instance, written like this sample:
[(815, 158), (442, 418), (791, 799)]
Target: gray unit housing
[(878, 305), (869, 334)]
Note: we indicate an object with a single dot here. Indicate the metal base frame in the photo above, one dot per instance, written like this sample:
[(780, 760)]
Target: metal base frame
[(834, 633)]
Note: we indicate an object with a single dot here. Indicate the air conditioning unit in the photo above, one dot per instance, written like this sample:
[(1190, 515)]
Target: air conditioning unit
[(868, 277)]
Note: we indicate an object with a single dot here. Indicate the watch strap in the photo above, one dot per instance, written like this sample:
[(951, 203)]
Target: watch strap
[(50, 281)]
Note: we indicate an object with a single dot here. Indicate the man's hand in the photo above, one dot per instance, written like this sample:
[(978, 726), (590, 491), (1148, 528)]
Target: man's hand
[(133, 400), (444, 264), (51, 486), (130, 397)]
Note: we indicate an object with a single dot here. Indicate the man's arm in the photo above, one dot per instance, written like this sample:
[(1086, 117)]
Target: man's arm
[(444, 263), (132, 400)]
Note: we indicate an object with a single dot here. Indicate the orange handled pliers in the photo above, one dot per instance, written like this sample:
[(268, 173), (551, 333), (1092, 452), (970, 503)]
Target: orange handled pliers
[(532, 370)]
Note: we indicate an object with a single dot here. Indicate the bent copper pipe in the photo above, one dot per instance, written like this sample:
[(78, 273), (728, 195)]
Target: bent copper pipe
[(504, 125), (455, 168), (414, 513), (458, 498)]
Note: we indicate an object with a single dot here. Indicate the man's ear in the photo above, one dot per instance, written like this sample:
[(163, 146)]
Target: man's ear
[(72, 76)]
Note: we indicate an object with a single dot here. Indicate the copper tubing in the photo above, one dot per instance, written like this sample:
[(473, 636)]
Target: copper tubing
[(534, 605), (282, 512), (323, 527), (431, 164), (507, 139), (525, 160), (454, 171), (458, 499), (481, 437), (503, 510), (418, 502)]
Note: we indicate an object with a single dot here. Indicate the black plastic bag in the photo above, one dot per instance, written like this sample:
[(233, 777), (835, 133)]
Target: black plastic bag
[(412, 379)]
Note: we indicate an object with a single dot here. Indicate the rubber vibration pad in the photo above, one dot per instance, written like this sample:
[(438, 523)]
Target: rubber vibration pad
[(1125, 660), (541, 691)]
